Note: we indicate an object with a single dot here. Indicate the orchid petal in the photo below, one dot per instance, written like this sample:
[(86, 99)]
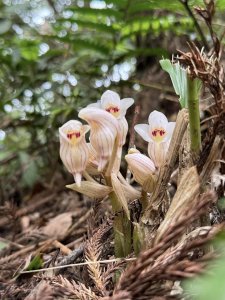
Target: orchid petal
[(143, 131), (157, 126), (157, 152), (85, 128), (104, 129), (110, 101), (96, 104), (125, 104), (123, 129), (109, 98), (92, 166), (170, 130), (74, 154), (72, 125), (157, 119)]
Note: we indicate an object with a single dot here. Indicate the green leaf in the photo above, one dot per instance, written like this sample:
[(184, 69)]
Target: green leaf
[(30, 169), (98, 27), (210, 286), (36, 263), (144, 52), (178, 76), (104, 12), (3, 245), (29, 49), (79, 44), (138, 238)]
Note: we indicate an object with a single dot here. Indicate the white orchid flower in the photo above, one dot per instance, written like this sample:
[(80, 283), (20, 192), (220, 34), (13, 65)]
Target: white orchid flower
[(92, 166), (104, 129), (158, 134), (74, 151), (140, 165), (111, 102)]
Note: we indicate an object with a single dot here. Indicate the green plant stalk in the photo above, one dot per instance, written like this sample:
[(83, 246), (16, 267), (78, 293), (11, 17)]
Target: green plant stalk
[(121, 226), (144, 200), (121, 223), (194, 115)]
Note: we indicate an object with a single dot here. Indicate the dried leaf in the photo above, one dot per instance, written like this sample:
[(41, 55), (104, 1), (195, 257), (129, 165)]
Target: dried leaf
[(58, 226), (118, 189), (185, 197), (130, 193), (91, 189)]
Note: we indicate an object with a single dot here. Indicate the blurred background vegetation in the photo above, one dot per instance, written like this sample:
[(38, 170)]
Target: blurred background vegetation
[(59, 55)]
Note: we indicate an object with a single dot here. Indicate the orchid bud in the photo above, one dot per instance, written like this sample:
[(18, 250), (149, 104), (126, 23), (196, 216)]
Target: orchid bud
[(104, 129), (141, 166), (158, 134), (74, 150)]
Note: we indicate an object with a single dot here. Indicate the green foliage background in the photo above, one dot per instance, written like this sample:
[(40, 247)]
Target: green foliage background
[(57, 56)]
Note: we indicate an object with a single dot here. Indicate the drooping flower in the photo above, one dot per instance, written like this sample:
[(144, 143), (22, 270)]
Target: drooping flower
[(158, 134), (92, 166), (104, 129), (74, 151), (111, 102), (141, 166)]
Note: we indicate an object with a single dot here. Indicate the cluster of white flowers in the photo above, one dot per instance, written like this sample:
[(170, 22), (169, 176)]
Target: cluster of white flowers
[(108, 125)]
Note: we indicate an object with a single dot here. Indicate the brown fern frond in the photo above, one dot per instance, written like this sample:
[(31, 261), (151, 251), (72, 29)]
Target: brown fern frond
[(93, 250), (122, 295), (110, 270), (42, 291), (71, 290)]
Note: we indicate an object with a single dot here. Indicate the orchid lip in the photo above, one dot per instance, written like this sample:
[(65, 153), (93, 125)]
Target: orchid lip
[(73, 134), (158, 134), (110, 101)]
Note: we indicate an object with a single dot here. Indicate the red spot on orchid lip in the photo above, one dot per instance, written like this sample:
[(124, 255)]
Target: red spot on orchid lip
[(73, 134), (158, 131), (112, 109)]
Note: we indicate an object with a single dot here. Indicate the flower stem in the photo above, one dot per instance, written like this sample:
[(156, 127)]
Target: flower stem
[(121, 223), (194, 115), (144, 200)]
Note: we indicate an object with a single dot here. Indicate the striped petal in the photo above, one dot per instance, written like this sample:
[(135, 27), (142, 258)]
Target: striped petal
[(123, 129), (140, 166), (104, 129), (157, 152), (74, 151)]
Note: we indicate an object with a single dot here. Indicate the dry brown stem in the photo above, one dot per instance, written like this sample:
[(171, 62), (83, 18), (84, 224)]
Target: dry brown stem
[(185, 197)]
